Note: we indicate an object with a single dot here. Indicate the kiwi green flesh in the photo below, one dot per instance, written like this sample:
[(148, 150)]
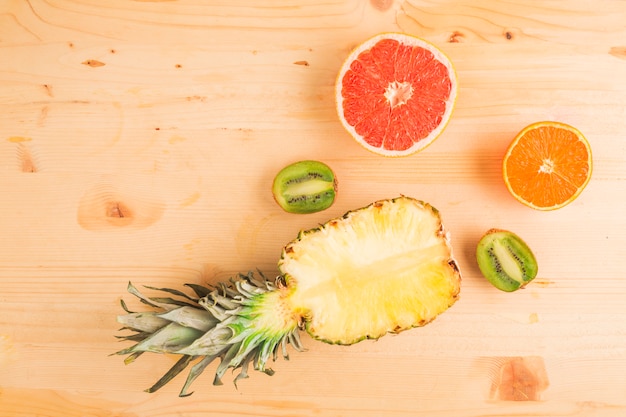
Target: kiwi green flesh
[(305, 187), (505, 260)]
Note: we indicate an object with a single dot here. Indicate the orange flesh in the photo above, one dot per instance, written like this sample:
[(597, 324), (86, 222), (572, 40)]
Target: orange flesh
[(394, 95), (547, 166)]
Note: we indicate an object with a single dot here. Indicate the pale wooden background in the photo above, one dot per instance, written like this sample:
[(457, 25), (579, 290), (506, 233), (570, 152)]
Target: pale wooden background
[(175, 115)]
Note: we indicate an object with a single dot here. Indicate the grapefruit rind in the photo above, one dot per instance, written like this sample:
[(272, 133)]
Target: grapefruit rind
[(514, 143), (412, 41)]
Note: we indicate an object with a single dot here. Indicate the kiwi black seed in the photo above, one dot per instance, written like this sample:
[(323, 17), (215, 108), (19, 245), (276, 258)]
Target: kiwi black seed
[(305, 187), (505, 260)]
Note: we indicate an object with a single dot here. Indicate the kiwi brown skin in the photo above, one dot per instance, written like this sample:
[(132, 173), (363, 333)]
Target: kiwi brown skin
[(305, 187), (505, 260)]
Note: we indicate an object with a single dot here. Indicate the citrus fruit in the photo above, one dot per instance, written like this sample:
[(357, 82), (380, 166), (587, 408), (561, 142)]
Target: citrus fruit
[(395, 94), (547, 165)]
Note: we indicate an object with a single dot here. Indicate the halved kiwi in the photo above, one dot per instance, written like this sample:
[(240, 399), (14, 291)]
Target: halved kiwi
[(506, 260), (305, 187)]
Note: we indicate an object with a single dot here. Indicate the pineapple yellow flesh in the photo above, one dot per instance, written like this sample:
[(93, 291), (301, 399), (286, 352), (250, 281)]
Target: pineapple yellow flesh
[(385, 268)]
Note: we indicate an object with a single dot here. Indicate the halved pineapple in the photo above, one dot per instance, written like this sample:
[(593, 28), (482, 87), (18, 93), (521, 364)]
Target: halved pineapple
[(383, 268)]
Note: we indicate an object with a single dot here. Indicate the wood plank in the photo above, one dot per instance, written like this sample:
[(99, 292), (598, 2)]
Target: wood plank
[(138, 142)]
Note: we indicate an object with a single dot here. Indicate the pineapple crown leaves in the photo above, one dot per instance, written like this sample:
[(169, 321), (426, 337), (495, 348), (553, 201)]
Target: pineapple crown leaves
[(218, 322)]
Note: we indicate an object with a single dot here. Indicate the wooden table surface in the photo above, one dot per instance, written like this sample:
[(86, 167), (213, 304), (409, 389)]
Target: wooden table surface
[(138, 142)]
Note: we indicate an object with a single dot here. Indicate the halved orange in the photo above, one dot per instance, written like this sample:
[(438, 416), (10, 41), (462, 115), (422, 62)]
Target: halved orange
[(395, 93), (547, 165)]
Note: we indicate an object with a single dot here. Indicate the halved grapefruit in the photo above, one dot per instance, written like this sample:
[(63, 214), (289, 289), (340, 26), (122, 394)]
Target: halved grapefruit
[(395, 94)]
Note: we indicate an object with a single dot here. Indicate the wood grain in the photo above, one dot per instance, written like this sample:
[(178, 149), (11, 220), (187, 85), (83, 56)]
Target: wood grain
[(138, 142)]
